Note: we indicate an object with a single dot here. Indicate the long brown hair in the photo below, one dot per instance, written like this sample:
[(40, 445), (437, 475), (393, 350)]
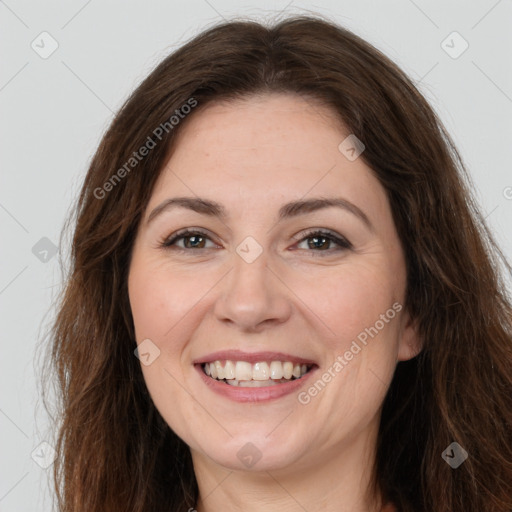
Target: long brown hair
[(116, 453)]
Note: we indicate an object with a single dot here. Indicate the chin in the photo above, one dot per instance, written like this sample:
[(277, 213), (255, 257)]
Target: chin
[(253, 453)]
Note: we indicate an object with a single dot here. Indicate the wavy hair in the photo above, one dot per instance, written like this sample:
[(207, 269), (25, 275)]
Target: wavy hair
[(115, 451)]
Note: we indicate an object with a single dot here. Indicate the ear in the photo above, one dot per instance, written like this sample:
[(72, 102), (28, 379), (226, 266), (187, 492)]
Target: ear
[(410, 344)]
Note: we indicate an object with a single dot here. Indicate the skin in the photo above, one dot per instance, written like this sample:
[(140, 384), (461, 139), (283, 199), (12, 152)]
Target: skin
[(252, 156)]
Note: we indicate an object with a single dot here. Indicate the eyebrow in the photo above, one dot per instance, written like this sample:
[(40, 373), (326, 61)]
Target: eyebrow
[(288, 210)]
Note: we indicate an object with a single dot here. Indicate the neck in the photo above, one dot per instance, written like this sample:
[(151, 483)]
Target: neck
[(338, 481)]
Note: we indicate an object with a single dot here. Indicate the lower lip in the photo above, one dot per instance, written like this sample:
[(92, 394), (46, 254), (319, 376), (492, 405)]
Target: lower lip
[(266, 393)]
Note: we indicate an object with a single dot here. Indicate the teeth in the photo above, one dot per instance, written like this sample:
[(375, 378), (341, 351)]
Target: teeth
[(229, 370), (220, 370), (287, 370), (276, 370), (255, 383), (262, 373), (243, 370)]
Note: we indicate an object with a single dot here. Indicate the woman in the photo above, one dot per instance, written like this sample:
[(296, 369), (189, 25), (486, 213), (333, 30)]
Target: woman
[(282, 296)]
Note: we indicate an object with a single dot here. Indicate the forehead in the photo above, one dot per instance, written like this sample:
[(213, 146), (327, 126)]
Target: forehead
[(261, 122), (279, 140), (262, 150)]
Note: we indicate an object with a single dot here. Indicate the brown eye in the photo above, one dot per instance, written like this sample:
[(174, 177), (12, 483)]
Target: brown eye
[(191, 240), (322, 241)]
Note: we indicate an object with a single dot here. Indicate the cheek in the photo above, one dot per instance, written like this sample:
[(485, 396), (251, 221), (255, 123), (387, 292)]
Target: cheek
[(363, 309), (159, 306), (158, 301), (352, 301), (149, 304), (167, 306)]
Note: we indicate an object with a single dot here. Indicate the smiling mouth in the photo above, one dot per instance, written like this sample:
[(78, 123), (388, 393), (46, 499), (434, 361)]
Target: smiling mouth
[(257, 375)]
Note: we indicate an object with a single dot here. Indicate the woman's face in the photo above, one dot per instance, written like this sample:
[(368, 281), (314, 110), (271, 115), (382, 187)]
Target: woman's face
[(256, 296)]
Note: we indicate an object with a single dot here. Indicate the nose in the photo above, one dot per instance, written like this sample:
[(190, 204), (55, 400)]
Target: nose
[(253, 296)]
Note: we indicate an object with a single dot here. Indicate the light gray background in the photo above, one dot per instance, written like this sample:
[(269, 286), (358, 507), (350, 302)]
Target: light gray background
[(54, 111)]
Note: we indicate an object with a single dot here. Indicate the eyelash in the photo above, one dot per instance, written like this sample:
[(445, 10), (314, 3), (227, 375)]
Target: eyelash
[(343, 243)]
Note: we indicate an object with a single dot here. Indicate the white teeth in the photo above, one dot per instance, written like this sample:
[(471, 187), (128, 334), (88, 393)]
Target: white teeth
[(262, 373), (220, 370), (229, 370), (276, 370), (256, 383), (243, 370), (287, 370)]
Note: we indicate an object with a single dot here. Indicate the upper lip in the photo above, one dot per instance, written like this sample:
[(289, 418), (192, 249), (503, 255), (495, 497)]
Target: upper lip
[(251, 357)]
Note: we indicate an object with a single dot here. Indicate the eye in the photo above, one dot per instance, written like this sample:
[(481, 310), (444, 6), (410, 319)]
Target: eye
[(318, 240), (192, 239), (321, 240)]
